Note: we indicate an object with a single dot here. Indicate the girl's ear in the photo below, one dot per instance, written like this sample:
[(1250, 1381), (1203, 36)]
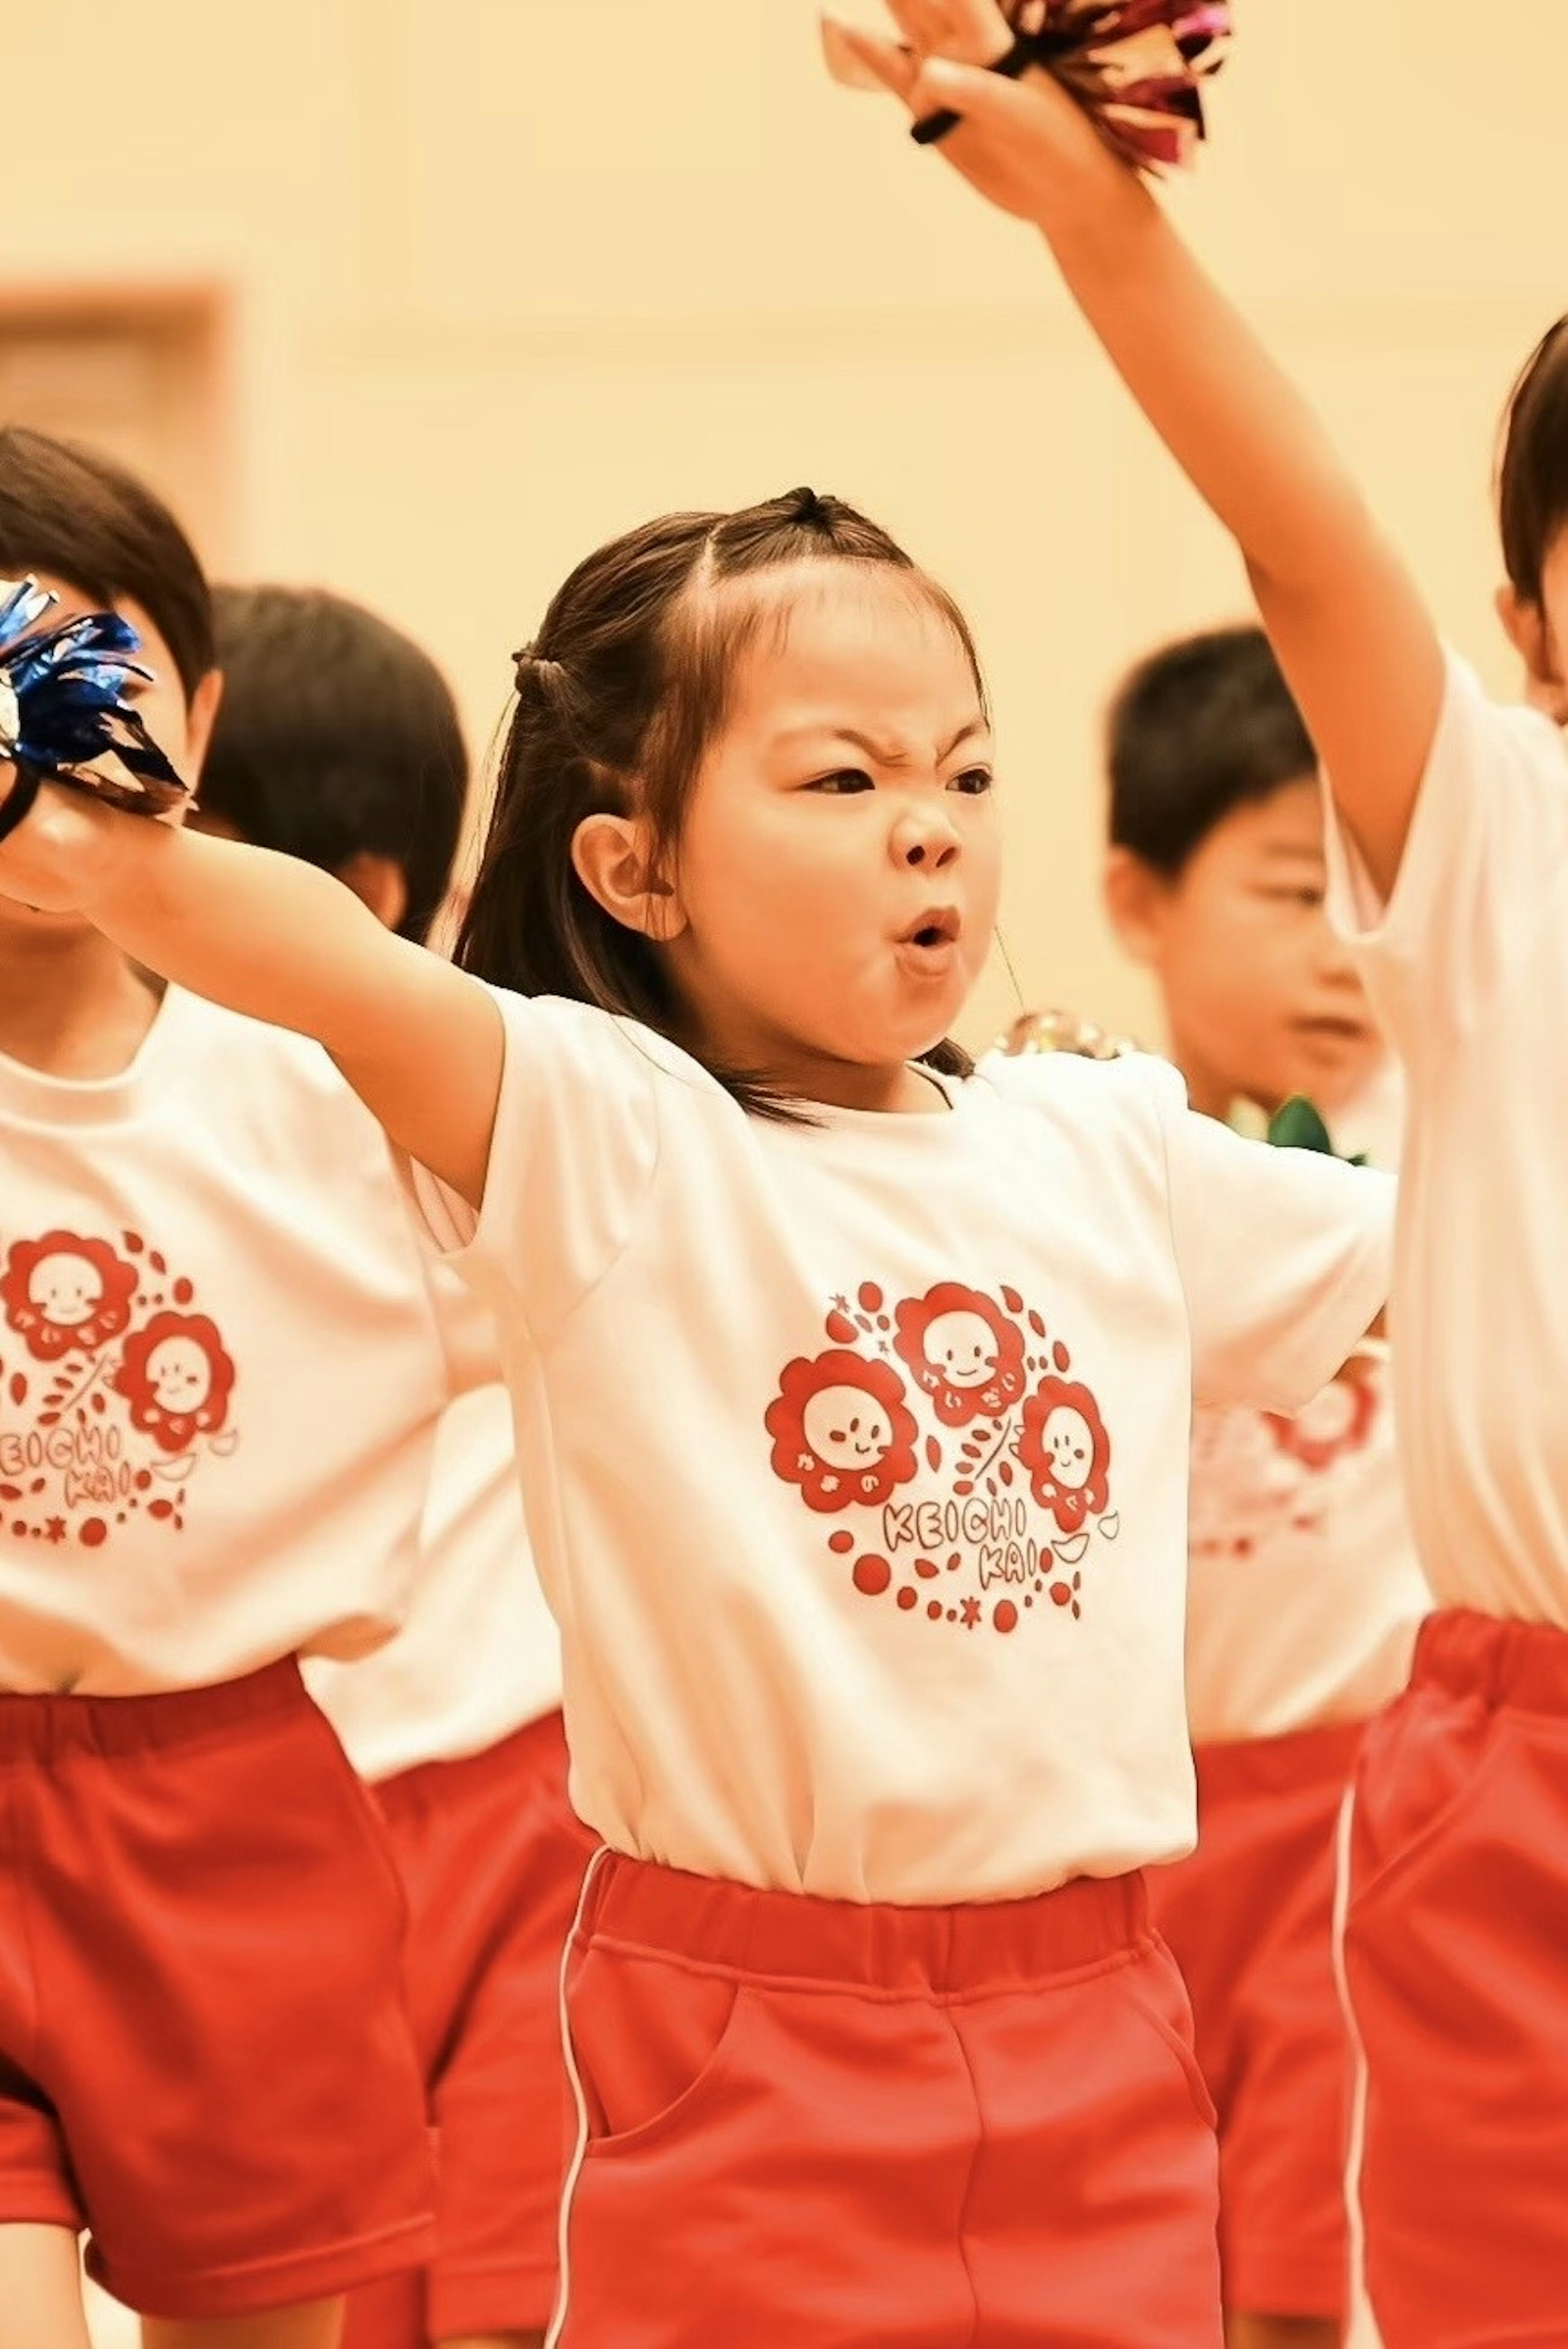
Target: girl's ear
[(379, 881), (1524, 624), (1135, 896), (201, 716), (615, 860)]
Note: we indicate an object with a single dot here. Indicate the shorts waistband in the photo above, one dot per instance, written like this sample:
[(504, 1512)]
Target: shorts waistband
[(49, 1728), (539, 1744), (1086, 1925), (1276, 1765), (1494, 1658)]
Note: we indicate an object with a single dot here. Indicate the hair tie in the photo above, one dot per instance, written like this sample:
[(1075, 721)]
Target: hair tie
[(528, 661), (809, 511)]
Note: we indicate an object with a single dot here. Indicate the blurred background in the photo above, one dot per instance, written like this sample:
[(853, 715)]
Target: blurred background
[(420, 299)]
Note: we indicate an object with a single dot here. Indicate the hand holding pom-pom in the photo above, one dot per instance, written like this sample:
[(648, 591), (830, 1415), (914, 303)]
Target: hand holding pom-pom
[(63, 709), (54, 861), (1135, 67)]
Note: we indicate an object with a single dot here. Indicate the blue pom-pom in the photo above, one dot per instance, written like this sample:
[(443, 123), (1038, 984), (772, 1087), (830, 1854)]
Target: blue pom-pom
[(63, 706)]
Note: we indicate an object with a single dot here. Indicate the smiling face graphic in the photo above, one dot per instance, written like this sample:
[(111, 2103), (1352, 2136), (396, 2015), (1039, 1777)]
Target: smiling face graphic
[(847, 1428), (66, 1289), (1069, 1445), (963, 1347), (180, 1374)]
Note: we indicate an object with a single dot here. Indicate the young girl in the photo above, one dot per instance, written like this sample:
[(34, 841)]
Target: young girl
[(853, 1405), (1453, 853)]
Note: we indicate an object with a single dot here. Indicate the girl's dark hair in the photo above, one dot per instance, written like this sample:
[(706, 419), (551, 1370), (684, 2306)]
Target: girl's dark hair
[(66, 511), (1533, 463), (336, 737), (618, 697)]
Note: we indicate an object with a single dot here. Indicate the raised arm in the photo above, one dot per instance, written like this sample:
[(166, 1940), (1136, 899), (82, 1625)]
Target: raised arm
[(419, 1042), (1352, 632)]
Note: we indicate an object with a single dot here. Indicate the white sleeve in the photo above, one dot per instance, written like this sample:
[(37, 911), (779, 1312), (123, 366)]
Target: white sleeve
[(1283, 1256), (1488, 842), (467, 1329), (571, 1161)]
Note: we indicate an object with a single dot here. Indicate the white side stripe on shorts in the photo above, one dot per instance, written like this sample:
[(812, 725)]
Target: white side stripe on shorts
[(568, 2187), (1362, 2331)]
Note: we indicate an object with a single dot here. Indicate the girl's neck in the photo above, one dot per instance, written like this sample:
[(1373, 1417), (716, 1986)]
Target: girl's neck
[(71, 1005), (793, 1072), (838, 1084)]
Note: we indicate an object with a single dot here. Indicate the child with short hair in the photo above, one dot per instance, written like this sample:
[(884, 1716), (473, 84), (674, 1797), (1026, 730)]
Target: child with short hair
[(1303, 1592), (222, 1369), (1450, 849), (852, 1399), (338, 742)]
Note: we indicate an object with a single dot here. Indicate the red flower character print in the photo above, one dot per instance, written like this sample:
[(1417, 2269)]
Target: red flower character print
[(842, 1432), (177, 1378), (1338, 1420), (964, 1351), (1067, 1452), (63, 1294)]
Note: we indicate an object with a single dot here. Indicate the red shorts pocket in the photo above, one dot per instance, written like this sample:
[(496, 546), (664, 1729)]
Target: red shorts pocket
[(652, 2043), (1153, 1987), (1424, 1766)]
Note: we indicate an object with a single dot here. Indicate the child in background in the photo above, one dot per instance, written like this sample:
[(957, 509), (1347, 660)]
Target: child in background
[(214, 1312), (338, 741), (1304, 1596), (1449, 850), (853, 1397)]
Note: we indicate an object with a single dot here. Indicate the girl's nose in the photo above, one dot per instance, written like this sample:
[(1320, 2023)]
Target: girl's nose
[(926, 837)]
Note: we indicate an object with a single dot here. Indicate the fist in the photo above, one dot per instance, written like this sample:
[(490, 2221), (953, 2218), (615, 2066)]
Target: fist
[(1024, 145), (59, 851)]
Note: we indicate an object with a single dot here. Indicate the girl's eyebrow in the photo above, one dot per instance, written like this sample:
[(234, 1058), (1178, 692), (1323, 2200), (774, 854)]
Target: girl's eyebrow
[(1290, 851), (873, 749)]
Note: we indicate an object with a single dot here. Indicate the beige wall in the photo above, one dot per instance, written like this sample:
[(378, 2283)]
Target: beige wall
[(510, 273)]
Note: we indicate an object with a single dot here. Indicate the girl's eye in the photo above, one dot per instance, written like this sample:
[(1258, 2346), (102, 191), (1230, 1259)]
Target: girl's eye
[(1295, 896), (974, 780), (848, 779)]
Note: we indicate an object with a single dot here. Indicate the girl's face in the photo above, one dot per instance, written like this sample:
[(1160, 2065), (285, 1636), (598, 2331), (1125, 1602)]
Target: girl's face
[(837, 872)]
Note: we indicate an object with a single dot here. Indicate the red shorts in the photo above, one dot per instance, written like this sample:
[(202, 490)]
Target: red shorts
[(492, 1856), (205, 2057), (1250, 1921), (807, 2120), (1456, 1959)]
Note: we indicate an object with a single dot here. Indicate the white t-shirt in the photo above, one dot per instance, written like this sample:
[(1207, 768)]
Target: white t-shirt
[(1304, 1595), (854, 1456), (221, 1364), (1468, 964), (478, 1655)]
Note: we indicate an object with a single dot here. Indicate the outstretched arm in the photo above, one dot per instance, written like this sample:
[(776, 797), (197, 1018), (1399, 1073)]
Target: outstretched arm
[(419, 1042), (1352, 632)]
